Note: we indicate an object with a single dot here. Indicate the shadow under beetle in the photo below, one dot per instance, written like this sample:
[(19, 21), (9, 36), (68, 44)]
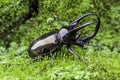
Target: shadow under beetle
[(53, 41)]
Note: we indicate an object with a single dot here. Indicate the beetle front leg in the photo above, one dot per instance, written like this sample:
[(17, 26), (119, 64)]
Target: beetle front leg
[(79, 42)]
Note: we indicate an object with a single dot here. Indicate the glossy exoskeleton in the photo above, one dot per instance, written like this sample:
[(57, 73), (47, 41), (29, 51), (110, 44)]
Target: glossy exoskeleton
[(53, 41)]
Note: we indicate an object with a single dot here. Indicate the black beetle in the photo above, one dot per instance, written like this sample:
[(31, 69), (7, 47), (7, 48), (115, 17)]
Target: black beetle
[(53, 41)]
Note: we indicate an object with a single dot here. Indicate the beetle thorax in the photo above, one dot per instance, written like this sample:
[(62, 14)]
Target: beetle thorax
[(62, 33)]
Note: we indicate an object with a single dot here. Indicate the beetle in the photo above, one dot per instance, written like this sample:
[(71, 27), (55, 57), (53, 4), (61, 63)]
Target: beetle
[(53, 41)]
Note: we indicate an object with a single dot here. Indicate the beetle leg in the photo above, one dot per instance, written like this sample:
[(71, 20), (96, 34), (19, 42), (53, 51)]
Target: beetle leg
[(52, 58), (77, 36), (72, 52)]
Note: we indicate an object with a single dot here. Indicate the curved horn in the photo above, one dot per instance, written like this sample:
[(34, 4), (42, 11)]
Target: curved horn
[(77, 20), (73, 31), (80, 27), (95, 32)]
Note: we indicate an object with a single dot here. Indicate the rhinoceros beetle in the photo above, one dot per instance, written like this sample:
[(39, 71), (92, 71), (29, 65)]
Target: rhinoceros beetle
[(53, 41)]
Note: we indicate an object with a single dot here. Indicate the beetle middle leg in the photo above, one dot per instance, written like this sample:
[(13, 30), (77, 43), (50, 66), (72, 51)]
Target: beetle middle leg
[(72, 52), (52, 58)]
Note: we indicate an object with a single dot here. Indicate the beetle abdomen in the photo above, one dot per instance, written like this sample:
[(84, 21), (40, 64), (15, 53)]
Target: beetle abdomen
[(43, 46)]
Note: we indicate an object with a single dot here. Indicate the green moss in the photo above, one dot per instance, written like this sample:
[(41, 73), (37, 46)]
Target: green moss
[(101, 58)]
